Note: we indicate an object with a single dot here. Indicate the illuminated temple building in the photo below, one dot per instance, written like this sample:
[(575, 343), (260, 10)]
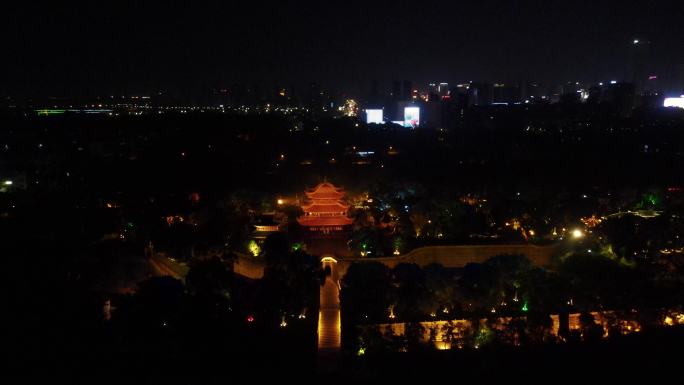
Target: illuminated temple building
[(324, 210)]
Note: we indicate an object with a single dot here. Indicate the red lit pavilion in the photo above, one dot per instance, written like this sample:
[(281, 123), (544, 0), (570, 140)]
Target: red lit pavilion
[(324, 211)]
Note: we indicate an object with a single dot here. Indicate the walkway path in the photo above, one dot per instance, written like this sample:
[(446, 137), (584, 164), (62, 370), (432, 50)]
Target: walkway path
[(329, 323)]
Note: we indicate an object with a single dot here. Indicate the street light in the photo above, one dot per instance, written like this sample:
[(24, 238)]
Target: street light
[(577, 233)]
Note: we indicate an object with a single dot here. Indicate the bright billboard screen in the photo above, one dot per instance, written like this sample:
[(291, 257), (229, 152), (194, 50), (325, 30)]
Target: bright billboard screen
[(411, 117), (374, 116), (674, 102)]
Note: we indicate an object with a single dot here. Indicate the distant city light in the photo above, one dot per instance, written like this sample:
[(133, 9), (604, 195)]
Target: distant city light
[(636, 41), (613, 82), (280, 201), (7, 182), (674, 102), (350, 108), (577, 233)]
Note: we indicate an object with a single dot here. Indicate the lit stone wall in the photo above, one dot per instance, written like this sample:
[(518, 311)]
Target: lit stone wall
[(440, 329)]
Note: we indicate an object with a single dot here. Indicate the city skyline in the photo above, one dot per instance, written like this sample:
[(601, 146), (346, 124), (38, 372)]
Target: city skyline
[(95, 49)]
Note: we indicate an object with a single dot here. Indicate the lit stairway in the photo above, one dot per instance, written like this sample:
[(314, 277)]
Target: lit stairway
[(329, 323)]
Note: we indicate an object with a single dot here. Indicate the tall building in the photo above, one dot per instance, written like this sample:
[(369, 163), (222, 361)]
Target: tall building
[(433, 88), (620, 96), (532, 91), (594, 96), (374, 95), (480, 94), (441, 89), (395, 92), (314, 100), (641, 50), (505, 93), (406, 90)]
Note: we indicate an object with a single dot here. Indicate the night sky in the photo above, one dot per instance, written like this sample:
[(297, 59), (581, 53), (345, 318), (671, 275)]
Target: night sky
[(120, 46)]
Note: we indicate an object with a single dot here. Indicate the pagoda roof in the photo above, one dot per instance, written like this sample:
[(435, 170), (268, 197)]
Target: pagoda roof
[(324, 221), (325, 190), (318, 207)]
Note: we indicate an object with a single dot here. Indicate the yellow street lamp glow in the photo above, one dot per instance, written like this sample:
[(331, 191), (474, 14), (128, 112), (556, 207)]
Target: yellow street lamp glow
[(577, 233), (280, 201)]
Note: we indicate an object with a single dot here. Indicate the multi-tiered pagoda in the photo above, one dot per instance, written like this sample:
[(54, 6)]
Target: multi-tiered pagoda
[(324, 210)]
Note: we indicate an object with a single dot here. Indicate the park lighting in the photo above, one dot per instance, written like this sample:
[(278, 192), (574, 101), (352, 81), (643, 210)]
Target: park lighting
[(254, 248), (7, 182), (577, 233)]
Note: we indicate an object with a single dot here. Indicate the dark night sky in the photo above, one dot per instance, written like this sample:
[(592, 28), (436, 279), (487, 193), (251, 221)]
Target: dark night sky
[(121, 46)]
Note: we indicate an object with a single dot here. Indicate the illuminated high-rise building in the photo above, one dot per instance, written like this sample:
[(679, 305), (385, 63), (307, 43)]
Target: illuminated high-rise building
[(443, 89)]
